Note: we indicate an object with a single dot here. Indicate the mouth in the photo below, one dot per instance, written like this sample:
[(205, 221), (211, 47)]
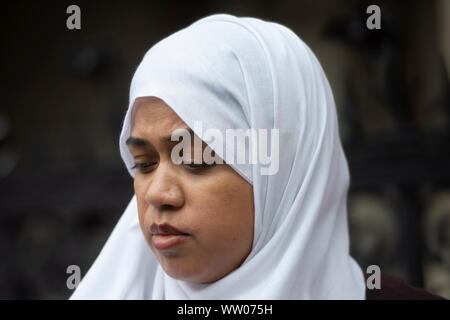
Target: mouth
[(164, 236)]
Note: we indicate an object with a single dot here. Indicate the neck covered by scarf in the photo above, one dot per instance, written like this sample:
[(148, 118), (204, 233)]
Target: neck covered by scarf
[(232, 72)]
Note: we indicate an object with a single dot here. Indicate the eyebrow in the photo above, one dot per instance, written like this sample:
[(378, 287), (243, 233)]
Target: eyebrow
[(140, 142)]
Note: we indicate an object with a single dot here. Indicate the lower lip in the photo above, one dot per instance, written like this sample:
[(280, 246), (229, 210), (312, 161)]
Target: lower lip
[(163, 242)]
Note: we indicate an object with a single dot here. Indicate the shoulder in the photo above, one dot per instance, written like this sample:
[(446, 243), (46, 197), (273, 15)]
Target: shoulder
[(393, 288)]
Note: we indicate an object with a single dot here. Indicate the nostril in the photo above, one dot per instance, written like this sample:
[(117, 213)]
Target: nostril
[(167, 207)]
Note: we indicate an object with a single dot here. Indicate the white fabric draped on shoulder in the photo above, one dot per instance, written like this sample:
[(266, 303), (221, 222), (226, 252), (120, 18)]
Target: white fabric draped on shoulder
[(232, 72)]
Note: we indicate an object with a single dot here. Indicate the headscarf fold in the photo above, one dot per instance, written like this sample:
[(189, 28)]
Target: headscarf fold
[(231, 73)]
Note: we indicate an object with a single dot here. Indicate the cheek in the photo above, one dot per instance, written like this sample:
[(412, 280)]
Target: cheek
[(139, 189), (139, 186), (224, 214)]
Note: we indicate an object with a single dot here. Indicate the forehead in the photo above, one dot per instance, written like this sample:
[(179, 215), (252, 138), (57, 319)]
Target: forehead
[(153, 116)]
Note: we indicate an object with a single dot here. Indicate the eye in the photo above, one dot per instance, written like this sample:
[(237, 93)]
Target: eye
[(144, 166), (197, 166)]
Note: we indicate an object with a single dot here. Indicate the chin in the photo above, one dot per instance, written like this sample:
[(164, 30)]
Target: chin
[(185, 273), (178, 270)]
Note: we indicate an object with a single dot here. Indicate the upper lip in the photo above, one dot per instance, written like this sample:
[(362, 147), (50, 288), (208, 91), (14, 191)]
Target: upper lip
[(165, 229)]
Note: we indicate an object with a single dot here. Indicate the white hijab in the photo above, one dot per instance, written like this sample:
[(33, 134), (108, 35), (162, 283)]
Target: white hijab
[(245, 73)]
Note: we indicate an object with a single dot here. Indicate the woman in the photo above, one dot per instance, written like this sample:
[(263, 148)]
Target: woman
[(274, 228)]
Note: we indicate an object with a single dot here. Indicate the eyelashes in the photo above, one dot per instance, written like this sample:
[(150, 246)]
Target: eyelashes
[(146, 167), (142, 165)]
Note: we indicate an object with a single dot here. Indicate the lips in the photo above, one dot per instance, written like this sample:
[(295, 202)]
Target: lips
[(165, 229), (165, 236)]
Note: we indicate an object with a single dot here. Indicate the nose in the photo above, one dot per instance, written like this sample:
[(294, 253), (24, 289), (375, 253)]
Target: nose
[(163, 190)]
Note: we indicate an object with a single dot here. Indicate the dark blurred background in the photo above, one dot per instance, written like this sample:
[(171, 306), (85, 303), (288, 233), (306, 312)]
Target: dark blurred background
[(64, 93)]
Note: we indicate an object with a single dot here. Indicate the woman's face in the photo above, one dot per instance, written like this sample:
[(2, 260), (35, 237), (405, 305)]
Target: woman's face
[(211, 204)]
